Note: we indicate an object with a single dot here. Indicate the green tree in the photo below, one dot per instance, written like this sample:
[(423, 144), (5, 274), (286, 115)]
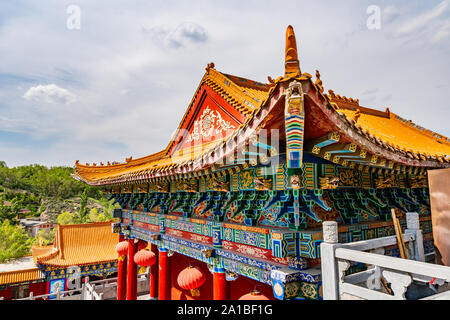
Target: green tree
[(45, 237), (14, 242), (67, 218), (82, 212), (8, 212)]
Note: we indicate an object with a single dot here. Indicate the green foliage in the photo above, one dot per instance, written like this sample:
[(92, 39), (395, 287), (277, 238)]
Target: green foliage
[(34, 187), (8, 213), (46, 182), (88, 217), (68, 218), (44, 237), (14, 242)]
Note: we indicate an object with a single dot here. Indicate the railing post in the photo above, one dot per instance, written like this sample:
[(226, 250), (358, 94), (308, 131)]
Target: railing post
[(31, 296), (58, 293), (330, 277), (413, 226), (83, 292)]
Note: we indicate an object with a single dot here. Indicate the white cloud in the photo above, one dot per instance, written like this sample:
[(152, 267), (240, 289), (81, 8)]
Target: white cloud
[(419, 22), (132, 84), (185, 34), (50, 93), (390, 13), (442, 33)]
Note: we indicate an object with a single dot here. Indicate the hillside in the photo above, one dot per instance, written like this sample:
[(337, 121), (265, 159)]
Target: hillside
[(49, 194)]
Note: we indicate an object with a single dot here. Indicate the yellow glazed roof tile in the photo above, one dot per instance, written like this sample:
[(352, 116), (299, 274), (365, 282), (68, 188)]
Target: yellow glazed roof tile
[(399, 133), (18, 276), (81, 244)]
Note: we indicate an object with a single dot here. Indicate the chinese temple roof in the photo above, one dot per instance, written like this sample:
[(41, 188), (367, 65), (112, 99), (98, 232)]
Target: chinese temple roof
[(19, 271), (247, 106), (21, 276), (79, 244)]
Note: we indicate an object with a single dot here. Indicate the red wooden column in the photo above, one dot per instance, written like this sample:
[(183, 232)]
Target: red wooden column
[(164, 275), (131, 271), (122, 278), (121, 274), (220, 284), (154, 275)]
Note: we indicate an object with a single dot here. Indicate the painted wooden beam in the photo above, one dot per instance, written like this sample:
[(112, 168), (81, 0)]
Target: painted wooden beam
[(315, 145)]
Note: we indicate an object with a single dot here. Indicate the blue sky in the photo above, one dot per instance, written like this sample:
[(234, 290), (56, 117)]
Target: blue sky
[(119, 85)]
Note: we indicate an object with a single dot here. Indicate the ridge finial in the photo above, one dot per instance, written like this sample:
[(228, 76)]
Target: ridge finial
[(291, 62)]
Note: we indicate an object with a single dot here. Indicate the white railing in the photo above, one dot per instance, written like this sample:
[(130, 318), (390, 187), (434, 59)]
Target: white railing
[(89, 293), (90, 290), (382, 270)]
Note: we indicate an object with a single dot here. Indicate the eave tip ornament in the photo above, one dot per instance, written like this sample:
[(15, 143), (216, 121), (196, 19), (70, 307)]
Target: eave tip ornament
[(291, 62)]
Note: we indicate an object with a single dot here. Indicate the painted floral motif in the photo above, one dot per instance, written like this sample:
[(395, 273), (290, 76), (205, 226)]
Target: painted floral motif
[(252, 251), (209, 124), (199, 238), (246, 179), (349, 178)]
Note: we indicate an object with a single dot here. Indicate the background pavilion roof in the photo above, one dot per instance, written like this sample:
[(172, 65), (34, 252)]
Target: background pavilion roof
[(80, 244), (20, 276), (19, 271), (248, 97)]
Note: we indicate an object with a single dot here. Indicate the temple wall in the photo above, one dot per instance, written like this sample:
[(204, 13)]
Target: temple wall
[(37, 289), (237, 288)]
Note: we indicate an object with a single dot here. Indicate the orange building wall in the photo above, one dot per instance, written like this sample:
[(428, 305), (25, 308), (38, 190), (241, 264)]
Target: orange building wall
[(242, 285)]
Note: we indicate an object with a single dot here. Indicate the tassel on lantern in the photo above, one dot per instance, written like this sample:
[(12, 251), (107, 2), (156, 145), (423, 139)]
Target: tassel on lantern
[(195, 292)]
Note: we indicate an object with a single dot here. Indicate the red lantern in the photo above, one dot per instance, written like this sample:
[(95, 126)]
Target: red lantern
[(191, 278), (145, 258), (254, 295), (122, 249)]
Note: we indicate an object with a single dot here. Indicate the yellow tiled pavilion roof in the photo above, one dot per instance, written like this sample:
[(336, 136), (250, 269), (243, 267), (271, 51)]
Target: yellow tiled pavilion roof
[(20, 276), (81, 244)]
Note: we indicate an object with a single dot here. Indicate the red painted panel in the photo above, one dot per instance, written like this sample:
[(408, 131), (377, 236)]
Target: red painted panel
[(6, 293), (38, 288), (148, 226), (211, 118), (212, 123), (189, 236)]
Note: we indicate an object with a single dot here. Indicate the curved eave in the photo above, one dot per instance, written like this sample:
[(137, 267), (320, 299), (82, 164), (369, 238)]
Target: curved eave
[(204, 163), (359, 136)]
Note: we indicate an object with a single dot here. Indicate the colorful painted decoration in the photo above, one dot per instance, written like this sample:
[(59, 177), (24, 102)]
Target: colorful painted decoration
[(209, 124), (294, 124)]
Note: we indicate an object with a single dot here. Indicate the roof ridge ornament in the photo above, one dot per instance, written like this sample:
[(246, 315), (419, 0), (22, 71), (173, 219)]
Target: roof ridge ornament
[(209, 66), (291, 62), (319, 82)]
